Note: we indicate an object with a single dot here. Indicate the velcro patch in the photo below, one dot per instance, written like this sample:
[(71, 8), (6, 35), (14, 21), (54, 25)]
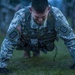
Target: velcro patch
[(13, 34), (64, 30)]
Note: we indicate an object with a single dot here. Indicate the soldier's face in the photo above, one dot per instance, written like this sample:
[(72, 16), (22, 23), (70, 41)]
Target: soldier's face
[(39, 18)]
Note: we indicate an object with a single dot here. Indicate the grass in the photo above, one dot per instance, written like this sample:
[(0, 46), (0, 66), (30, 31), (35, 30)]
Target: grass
[(42, 65)]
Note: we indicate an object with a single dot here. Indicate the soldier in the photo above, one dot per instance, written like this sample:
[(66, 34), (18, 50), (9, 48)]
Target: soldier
[(35, 28)]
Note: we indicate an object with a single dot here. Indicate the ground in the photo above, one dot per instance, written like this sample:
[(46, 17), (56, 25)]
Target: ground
[(42, 65)]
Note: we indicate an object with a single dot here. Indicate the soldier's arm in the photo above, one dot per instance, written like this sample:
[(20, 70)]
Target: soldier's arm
[(65, 32), (14, 30), (10, 42), (12, 36)]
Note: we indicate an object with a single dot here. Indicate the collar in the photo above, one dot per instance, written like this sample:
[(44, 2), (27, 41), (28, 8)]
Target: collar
[(36, 26)]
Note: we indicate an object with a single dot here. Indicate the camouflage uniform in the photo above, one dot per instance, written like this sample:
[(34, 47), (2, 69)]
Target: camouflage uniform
[(23, 23)]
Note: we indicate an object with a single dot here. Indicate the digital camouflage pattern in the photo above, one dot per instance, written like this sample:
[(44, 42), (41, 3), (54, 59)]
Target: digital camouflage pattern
[(23, 23)]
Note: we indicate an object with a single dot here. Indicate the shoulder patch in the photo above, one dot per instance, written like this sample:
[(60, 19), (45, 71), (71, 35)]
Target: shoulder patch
[(13, 34), (64, 30)]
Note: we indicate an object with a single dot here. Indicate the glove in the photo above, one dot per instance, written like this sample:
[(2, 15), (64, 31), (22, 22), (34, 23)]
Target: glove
[(4, 71)]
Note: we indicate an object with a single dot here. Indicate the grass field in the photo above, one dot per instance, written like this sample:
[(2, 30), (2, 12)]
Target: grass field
[(42, 65)]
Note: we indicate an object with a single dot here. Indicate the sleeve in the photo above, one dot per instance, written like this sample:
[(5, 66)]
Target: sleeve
[(13, 32), (10, 41), (65, 32)]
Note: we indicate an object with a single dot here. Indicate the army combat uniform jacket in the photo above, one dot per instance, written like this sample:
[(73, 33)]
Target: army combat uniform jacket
[(22, 24)]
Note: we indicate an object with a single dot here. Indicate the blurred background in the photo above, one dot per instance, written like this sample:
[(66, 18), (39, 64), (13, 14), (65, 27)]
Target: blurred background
[(9, 7)]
